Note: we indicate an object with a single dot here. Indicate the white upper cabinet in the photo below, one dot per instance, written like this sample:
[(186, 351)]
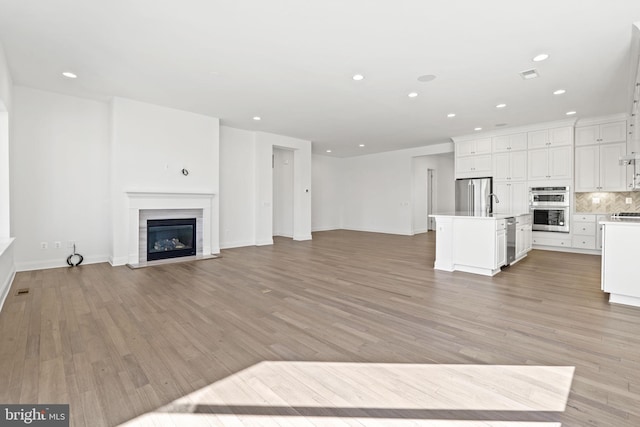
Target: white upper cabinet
[(597, 168), (602, 134), (587, 168), (587, 135), (550, 137), (550, 163), (473, 147), (504, 143), (473, 166), (513, 196), (510, 166), (613, 177), (473, 158), (613, 132)]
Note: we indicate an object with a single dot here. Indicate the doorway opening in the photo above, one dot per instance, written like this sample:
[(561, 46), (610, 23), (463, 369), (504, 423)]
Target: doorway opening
[(283, 179), (431, 222)]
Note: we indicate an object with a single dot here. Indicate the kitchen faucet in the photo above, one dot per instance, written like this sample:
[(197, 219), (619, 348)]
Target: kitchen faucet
[(489, 196)]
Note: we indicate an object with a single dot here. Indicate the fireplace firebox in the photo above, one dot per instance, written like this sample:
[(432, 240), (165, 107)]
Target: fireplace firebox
[(170, 238)]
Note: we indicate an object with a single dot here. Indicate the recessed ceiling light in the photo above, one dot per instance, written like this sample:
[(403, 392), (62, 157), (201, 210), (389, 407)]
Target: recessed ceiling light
[(451, 115), (328, 151), (570, 113), (477, 128), (498, 125), (257, 118), (70, 75), (361, 145), (501, 105), (559, 92), (540, 57), (426, 78), (413, 94), (358, 77)]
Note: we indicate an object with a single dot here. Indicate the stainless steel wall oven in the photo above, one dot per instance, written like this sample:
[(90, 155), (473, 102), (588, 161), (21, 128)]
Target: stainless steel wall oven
[(550, 208)]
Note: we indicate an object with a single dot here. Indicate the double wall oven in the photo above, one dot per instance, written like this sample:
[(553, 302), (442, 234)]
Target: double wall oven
[(550, 208)]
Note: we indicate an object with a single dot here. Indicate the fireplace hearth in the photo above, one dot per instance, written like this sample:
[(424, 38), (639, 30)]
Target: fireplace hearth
[(171, 238)]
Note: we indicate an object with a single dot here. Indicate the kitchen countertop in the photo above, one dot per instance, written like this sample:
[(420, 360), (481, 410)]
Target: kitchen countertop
[(621, 221), (467, 215)]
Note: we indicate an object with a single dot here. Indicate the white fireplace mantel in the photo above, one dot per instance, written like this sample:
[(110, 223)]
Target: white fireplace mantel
[(166, 200)]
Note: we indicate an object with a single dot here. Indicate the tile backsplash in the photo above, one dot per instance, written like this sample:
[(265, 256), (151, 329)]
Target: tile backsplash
[(609, 202)]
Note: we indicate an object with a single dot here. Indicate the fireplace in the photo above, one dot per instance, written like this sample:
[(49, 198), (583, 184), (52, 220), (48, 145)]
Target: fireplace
[(170, 238)]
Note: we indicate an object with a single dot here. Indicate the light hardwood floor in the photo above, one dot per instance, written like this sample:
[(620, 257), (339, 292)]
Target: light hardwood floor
[(117, 343)]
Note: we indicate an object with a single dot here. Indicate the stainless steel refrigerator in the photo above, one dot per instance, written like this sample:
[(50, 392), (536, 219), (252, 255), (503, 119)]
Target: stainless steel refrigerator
[(474, 196)]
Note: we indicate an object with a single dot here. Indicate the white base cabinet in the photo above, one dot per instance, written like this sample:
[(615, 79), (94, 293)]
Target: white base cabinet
[(475, 244), (523, 235), (620, 262), (584, 229), (547, 238)]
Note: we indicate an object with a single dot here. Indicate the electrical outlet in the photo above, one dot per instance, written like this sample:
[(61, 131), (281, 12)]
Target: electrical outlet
[(628, 200), (595, 200), (43, 245), (57, 245)]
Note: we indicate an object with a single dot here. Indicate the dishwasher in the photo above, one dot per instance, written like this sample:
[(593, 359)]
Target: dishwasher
[(511, 240)]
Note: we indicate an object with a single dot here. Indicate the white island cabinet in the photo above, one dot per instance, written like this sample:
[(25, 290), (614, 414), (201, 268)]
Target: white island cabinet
[(477, 244), (620, 271)]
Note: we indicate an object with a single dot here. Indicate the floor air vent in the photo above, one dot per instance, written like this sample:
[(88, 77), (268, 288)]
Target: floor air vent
[(22, 291)]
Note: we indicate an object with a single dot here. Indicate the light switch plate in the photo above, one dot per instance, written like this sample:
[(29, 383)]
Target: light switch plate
[(595, 200)]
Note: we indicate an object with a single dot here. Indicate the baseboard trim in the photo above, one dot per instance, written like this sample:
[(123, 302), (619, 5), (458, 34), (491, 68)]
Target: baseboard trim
[(302, 238), (264, 242), (44, 265), (325, 228), (379, 230), (118, 261), (237, 244), (568, 249)]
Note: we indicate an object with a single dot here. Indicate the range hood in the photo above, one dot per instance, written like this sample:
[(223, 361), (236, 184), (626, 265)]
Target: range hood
[(629, 159), (633, 161)]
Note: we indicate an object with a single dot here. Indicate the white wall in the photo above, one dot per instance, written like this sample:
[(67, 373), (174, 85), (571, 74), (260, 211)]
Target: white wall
[(7, 266), (6, 86), (445, 182), (326, 199), (246, 186), (59, 178), (5, 214), (443, 197), (237, 187), (378, 190), (6, 83), (150, 145), (283, 192)]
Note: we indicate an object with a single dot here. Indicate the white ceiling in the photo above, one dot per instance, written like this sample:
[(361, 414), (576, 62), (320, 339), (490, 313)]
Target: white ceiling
[(291, 61)]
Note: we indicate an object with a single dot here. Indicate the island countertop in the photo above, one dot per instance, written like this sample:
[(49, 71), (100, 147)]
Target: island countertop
[(468, 215)]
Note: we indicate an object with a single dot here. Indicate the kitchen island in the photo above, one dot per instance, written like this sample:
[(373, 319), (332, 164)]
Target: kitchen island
[(478, 243), (620, 272)]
